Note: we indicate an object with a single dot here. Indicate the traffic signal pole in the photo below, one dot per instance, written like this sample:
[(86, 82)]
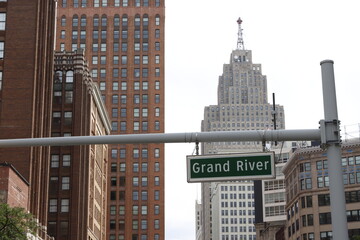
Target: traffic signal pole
[(329, 134)]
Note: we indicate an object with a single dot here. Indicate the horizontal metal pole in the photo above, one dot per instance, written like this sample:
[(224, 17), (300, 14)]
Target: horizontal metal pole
[(224, 136)]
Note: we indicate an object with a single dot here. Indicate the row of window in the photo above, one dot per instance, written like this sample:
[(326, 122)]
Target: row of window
[(135, 224), (104, 21), (235, 195), (237, 188), (55, 160), (116, 36), (65, 182), (64, 205), (238, 237), (135, 195), (108, 3), (135, 153), (241, 229), (124, 85), (323, 181), (137, 112), (322, 164), (134, 236), (135, 181), (136, 210), (144, 59), (137, 98), (137, 126), (235, 212), (124, 47), (235, 204), (235, 220), (136, 167), (123, 72)]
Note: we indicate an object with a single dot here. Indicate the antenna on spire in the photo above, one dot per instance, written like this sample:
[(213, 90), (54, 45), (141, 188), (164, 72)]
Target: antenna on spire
[(240, 41)]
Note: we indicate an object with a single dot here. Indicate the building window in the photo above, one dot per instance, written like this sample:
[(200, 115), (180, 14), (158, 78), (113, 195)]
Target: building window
[(157, 72), (157, 85), (144, 112), (54, 161), (1, 76), (144, 167), (122, 126), (66, 160), (135, 167), (53, 205), (156, 195), (122, 153), (2, 21), (122, 167), (83, 3), (156, 167), (156, 152), (96, 3), (157, 181), (65, 183), (157, 46), (157, 112), (144, 125), (1, 50), (157, 33), (144, 181), (157, 224), (157, 125), (157, 20), (65, 205), (324, 218), (125, 3)]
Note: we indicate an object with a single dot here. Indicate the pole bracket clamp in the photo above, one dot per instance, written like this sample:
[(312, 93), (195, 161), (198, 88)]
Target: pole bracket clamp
[(330, 132)]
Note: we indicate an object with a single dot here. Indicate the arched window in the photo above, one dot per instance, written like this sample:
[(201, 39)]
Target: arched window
[(69, 76), (157, 20), (137, 20), (83, 21), (63, 21), (75, 21), (116, 20), (58, 77), (124, 20), (145, 20), (96, 21), (103, 20)]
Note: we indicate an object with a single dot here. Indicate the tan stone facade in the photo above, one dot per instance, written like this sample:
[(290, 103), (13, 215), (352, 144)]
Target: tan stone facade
[(307, 193)]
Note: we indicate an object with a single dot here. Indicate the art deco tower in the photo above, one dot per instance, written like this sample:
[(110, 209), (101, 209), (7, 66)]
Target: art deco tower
[(124, 44), (228, 208)]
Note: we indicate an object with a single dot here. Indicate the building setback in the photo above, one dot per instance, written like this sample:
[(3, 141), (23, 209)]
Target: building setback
[(228, 208), (124, 43), (78, 174), (26, 59), (308, 197)]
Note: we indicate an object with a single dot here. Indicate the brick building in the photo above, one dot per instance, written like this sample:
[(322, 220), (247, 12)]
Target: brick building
[(14, 189), (26, 59), (307, 193), (124, 43), (78, 174)]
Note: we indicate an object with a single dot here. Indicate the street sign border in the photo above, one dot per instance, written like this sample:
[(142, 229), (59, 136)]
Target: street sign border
[(231, 178)]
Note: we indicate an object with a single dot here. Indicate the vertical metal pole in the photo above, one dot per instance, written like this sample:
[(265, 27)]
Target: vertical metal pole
[(337, 196)]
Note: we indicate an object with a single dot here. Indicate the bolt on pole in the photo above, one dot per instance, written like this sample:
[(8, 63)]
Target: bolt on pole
[(330, 134)]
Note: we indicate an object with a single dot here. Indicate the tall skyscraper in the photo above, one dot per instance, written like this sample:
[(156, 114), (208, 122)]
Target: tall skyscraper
[(228, 207), (124, 43), (26, 59)]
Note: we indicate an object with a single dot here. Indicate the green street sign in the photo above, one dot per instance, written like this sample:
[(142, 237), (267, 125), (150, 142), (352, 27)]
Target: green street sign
[(230, 167)]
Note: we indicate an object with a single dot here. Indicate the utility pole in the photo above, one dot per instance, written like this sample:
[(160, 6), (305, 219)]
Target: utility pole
[(330, 139)]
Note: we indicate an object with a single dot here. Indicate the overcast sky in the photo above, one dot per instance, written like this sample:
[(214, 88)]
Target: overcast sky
[(289, 39)]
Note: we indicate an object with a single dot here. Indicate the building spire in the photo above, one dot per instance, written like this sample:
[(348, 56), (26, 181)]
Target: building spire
[(240, 41)]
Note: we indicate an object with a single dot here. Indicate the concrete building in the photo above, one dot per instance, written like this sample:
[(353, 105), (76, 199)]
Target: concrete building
[(27, 30), (78, 174), (307, 192), (124, 42), (242, 105)]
